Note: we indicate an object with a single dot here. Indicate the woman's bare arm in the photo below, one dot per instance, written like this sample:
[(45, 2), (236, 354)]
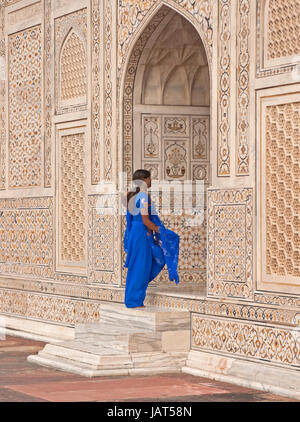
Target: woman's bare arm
[(145, 217)]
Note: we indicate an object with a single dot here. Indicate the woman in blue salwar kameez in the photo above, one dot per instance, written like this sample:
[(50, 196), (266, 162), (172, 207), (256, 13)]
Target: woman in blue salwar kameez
[(146, 254)]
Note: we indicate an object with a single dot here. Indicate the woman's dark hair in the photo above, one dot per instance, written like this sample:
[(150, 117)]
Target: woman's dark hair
[(138, 175)]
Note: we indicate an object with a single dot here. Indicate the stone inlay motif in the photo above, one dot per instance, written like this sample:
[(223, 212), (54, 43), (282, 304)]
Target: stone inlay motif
[(200, 138), (243, 88), (176, 126), (200, 172), (103, 241), (108, 84), (103, 236), (72, 200), (25, 107), (176, 160), (224, 88), (174, 141), (151, 136), (51, 308), (283, 28), (230, 243), (282, 164), (96, 91), (26, 236), (242, 339), (48, 93)]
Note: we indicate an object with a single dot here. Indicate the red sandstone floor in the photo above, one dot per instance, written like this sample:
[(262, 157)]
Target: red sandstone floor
[(21, 381)]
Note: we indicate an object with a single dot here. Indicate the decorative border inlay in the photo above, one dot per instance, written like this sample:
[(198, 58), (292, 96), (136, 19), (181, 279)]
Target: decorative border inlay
[(48, 94), (224, 92), (108, 58), (96, 92), (243, 88), (3, 110), (246, 340)]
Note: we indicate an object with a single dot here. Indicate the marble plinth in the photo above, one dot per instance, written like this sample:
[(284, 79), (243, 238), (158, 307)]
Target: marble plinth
[(125, 341), (276, 380), (148, 318)]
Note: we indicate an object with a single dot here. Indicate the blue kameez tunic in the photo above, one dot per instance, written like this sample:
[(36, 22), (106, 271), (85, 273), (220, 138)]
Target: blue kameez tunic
[(145, 259)]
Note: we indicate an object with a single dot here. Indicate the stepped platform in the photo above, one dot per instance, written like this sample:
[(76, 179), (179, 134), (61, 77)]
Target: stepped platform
[(124, 342)]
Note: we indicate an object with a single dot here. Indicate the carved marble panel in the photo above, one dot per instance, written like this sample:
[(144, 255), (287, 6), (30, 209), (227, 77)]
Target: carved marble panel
[(176, 159), (279, 190), (278, 31), (26, 237), (151, 133), (251, 341), (25, 108), (71, 199), (230, 243), (103, 235)]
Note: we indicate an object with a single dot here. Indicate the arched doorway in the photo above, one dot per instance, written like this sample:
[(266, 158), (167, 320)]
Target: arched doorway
[(168, 93)]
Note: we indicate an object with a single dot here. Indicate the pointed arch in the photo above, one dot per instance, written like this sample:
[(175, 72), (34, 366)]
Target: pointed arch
[(126, 78)]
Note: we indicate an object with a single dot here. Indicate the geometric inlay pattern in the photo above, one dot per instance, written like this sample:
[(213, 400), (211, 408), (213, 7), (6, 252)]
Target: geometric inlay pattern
[(26, 237), (72, 201), (230, 243), (282, 164), (25, 107), (245, 340), (65, 311), (283, 28), (104, 239)]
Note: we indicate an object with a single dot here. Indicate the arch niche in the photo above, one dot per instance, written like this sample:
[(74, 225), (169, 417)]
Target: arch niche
[(166, 126)]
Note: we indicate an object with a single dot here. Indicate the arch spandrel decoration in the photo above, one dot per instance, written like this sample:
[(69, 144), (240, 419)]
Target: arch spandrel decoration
[(131, 17)]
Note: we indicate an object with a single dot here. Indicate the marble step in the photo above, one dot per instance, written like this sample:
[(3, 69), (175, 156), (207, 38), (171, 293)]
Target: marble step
[(107, 362), (126, 340), (148, 318)]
